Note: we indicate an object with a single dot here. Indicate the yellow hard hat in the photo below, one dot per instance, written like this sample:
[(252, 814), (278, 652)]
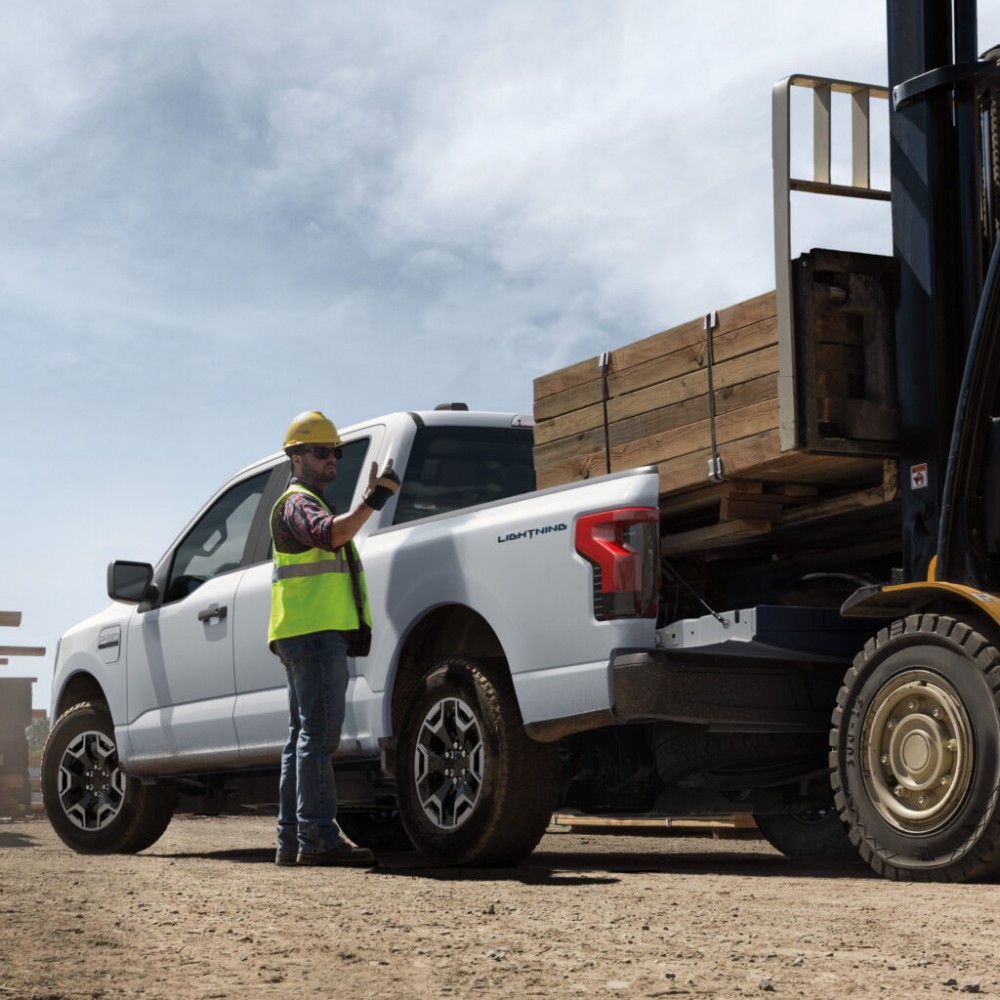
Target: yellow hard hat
[(311, 427)]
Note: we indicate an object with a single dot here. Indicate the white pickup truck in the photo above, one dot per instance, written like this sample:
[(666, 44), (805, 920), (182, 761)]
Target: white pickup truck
[(498, 615), (522, 662)]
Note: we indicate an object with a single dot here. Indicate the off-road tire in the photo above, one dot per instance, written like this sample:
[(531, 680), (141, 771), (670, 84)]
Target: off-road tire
[(809, 836), (381, 830), (734, 762), (489, 803), (93, 806), (915, 752)]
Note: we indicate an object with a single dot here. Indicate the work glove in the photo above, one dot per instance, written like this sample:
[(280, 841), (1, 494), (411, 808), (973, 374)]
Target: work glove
[(381, 486)]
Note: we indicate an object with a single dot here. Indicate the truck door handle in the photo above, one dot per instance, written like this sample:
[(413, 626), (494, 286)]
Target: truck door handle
[(213, 611)]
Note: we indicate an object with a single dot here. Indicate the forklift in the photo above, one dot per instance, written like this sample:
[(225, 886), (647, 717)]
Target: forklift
[(915, 738)]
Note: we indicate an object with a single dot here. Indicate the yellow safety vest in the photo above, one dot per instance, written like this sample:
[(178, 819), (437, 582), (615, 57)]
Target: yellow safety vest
[(311, 591)]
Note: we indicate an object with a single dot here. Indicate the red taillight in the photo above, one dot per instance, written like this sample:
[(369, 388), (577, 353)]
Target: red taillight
[(622, 545)]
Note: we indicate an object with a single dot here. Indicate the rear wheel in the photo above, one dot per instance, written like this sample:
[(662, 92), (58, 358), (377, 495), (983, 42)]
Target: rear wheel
[(808, 836), (915, 752), (93, 806), (473, 788)]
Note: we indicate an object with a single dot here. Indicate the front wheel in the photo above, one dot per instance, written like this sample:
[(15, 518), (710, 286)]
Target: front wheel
[(915, 752), (93, 806), (473, 788)]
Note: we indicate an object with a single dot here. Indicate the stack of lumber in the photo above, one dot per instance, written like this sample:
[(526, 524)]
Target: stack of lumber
[(648, 403)]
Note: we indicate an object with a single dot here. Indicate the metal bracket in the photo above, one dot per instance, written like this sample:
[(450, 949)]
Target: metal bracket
[(715, 470), (602, 363)]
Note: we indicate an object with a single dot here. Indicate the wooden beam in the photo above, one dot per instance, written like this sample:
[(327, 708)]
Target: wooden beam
[(746, 508), (22, 650), (729, 378), (719, 535), (11, 618), (580, 384)]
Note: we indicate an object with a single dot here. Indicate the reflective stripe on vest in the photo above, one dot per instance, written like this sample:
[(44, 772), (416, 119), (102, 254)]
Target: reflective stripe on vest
[(338, 564), (311, 591)]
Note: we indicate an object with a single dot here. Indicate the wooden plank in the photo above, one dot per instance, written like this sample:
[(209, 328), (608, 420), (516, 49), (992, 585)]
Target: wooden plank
[(739, 456), (728, 377), (737, 508), (706, 497), (798, 490), (842, 385), (22, 650), (11, 618), (840, 358), (658, 448), (683, 415), (837, 327), (683, 359), (580, 384), (702, 497), (886, 492), (686, 334), (808, 515), (649, 824), (712, 536), (727, 347)]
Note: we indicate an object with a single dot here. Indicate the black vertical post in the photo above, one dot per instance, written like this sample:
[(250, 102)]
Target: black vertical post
[(931, 326), (968, 162)]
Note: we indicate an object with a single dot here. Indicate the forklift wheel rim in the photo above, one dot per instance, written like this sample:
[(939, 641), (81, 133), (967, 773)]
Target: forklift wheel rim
[(918, 751)]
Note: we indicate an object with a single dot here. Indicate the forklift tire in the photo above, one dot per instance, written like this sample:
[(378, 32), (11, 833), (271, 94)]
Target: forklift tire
[(915, 752)]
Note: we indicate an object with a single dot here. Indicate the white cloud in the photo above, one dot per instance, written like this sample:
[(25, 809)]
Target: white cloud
[(216, 214)]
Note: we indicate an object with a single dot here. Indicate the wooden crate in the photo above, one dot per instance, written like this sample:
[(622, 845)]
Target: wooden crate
[(678, 402)]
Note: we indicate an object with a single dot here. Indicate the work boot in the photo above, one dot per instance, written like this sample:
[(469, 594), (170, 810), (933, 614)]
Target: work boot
[(343, 854)]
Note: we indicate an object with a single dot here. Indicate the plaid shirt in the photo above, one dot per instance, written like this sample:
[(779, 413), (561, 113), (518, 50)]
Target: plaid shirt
[(302, 524)]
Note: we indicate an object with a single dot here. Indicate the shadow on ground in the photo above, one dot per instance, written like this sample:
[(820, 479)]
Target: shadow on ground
[(591, 867), (10, 838)]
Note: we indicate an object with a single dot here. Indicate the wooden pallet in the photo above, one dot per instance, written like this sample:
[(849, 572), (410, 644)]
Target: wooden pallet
[(739, 511)]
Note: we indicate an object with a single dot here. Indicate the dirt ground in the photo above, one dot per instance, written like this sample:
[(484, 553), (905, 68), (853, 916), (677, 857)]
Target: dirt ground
[(206, 914)]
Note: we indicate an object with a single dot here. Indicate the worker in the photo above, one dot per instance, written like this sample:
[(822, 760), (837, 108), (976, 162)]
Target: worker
[(319, 616)]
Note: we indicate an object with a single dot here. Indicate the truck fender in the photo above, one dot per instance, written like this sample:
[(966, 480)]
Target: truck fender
[(447, 630)]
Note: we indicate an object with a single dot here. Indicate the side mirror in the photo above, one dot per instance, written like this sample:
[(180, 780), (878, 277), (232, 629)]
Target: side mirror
[(131, 582)]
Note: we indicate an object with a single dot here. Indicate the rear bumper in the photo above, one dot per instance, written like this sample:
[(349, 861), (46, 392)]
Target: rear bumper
[(725, 693)]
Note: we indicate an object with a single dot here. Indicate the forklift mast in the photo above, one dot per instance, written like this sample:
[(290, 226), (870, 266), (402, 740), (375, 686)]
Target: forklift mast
[(943, 164)]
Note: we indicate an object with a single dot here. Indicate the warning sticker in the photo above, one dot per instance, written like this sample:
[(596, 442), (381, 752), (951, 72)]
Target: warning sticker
[(918, 476)]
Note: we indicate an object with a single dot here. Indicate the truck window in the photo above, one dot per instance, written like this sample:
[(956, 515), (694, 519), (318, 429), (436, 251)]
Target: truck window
[(455, 467), (216, 543), (341, 491)]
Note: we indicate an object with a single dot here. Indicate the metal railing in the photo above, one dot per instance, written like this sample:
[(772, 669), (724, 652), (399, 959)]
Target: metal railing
[(820, 182)]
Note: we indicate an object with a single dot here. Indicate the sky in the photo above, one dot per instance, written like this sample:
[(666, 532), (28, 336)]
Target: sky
[(216, 215)]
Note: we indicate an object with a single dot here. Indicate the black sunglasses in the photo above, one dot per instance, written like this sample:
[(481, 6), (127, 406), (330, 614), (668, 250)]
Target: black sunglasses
[(323, 453)]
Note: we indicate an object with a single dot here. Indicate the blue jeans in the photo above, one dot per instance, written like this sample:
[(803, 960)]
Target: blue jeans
[(316, 668)]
